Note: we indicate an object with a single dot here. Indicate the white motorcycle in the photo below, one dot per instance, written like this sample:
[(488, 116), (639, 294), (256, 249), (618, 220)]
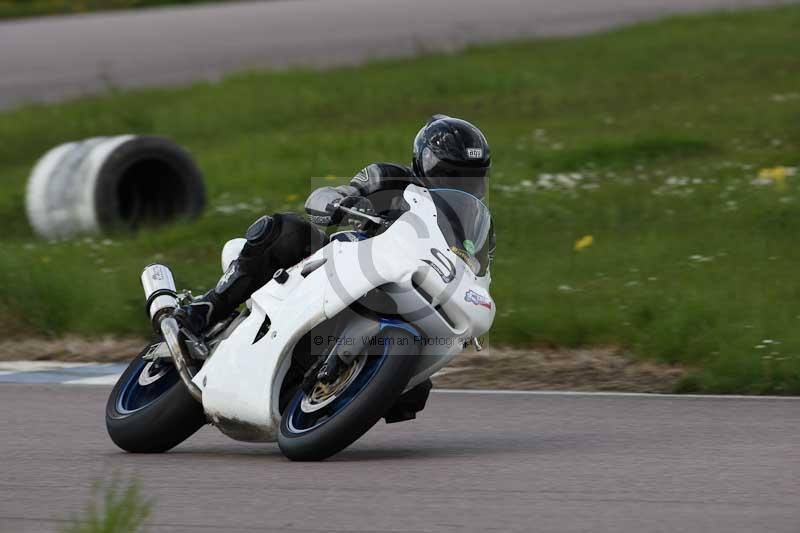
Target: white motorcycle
[(328, 347)]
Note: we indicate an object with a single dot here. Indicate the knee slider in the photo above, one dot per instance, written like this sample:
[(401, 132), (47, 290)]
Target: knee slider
[(259, 230), (260, 237)]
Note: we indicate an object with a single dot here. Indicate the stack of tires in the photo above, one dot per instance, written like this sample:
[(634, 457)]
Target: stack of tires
[(108, 184)]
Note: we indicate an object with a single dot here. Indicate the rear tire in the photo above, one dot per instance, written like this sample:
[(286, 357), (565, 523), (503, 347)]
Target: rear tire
[(358, 412), (151, 420)]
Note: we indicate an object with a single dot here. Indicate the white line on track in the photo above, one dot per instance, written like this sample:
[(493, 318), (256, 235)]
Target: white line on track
[(57, 372), (36, 366), (96, 380), (615, 394)]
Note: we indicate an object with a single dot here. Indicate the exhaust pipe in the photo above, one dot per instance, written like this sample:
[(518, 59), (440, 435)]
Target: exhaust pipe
[(161, 300), (160, 293)]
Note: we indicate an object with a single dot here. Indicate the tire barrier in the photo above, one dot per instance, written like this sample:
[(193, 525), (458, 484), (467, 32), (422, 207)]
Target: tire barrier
[(108, 184)]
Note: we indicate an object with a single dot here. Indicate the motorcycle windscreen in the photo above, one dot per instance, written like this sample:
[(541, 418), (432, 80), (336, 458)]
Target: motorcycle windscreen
[(466, 224)]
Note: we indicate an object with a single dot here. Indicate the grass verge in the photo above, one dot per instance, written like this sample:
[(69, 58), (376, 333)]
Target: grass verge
[(649, 139)]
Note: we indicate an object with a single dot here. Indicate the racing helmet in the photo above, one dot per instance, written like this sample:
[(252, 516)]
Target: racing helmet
[(450, 153)]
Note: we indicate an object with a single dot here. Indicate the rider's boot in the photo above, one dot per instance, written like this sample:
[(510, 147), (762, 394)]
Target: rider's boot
[(199, 315)]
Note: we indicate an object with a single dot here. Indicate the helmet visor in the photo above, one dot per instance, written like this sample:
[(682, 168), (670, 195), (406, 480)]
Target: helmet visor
[(441, 174)]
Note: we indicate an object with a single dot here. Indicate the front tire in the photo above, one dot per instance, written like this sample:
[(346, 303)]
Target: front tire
[(150, 410), (314, 435)]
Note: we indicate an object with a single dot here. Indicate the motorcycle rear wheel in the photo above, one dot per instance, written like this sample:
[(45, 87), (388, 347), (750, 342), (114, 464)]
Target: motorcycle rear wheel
[(150, 410), (315, 430)]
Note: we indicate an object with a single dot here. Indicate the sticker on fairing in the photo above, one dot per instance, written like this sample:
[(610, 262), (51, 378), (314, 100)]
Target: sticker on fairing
[(470, 260), (469, 246), (476, 299)]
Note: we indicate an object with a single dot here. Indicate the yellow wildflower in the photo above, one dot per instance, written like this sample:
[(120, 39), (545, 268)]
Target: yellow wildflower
[(584, 242), (292, 197), (777, 175)]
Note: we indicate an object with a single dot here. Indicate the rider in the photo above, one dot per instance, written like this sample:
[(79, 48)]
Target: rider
[(448, 153)]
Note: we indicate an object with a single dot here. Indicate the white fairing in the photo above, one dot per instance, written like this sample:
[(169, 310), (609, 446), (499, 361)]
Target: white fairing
[(241, 382)]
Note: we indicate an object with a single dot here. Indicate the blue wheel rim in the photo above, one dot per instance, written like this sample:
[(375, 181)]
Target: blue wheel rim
[(134, 397), (300, 422)]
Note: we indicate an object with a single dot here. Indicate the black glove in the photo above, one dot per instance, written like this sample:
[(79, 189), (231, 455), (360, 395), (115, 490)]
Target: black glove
[(359, 203)]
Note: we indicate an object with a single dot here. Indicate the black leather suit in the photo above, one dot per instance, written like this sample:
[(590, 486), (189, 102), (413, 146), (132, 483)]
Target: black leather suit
[(284, 239)]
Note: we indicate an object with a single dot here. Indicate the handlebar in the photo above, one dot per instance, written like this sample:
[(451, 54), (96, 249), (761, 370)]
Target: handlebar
[(370, 218), (375, 219)]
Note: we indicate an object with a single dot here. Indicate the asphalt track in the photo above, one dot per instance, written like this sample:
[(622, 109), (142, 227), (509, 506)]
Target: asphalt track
[(60, 57), (471, 462)]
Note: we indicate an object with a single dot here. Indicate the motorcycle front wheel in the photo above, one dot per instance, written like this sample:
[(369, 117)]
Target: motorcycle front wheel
[(150, 410), (318, 425)]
